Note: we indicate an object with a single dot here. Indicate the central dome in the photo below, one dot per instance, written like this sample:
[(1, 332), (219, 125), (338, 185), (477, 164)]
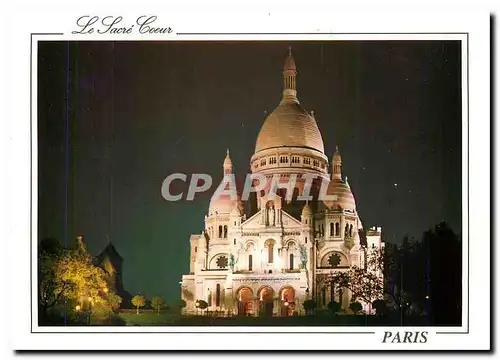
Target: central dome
[(289, 125)]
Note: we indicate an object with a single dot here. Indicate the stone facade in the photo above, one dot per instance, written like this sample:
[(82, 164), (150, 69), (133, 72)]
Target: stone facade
[(271, 261)]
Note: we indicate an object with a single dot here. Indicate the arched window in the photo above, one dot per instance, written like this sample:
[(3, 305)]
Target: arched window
[(250, 261), (337, 229), (234, 241), (331, 229), (346, 230), (350, 230), (270, 252), (220, 231), (225, 231), (217, 295), (209, 298), (291, 261), (306, 239)]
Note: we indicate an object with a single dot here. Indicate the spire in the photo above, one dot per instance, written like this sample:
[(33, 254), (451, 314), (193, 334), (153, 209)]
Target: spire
[(337, 164), (289, 75), (228, 164)]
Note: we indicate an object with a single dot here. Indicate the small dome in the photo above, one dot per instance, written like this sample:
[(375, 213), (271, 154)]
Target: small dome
[(223, 204), (306, 210), (345, 198)]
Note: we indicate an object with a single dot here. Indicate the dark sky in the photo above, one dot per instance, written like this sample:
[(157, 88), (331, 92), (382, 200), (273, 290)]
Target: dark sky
[(119, 117)]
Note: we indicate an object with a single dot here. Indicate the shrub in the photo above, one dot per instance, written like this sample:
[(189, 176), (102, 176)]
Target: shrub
[(356, 307), (310, 306), (380, 307), (334, 306)]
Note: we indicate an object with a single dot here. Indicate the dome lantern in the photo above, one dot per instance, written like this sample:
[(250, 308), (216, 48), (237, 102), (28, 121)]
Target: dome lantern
[(228, 164), (337, 164), (289, 79)]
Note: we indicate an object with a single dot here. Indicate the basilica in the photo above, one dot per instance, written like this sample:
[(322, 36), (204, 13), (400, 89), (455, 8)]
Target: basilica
[(267, 259)]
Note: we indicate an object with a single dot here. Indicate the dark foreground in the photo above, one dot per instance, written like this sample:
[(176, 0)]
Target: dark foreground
[(324, 319)]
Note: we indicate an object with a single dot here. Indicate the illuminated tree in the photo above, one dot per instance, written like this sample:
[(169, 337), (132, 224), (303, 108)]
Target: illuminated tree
[(107, 305), (158, 303), (138, 301), (69, 275), (363, 284)]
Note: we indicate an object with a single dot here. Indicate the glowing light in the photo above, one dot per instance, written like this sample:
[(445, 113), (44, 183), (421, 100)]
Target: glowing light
[(77, 308), (427, 297), (287, 303), (90, 298), (105, 289)]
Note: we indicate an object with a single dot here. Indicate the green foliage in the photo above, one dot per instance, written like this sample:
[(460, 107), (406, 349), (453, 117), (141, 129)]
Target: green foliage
[(310, 306), (158, 303), (364, 283), (68, 274), (138, 301), (334, 306), (356, 307)]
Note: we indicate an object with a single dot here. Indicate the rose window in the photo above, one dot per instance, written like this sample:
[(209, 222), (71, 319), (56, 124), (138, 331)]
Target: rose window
[(222, 262), (334, 260)]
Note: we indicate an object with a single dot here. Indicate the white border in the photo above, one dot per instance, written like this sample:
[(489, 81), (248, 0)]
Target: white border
[(475, 24)]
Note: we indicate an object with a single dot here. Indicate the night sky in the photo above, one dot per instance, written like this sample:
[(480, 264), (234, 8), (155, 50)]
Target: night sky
[(114, 119)]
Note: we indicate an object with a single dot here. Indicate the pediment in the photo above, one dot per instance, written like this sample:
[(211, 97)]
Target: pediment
[(255, 222)]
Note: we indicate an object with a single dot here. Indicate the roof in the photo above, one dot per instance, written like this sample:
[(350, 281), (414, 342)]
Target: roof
[(289, 125)]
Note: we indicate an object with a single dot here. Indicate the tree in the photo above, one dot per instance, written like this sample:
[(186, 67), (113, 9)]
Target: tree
[(356, 307), (310, 306), (50, 289), (105, 307), (334, 306), (67, 274), (362, 283), (158, 303), (138, 301)]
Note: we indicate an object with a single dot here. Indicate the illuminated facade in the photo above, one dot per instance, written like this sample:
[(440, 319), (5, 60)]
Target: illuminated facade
[(267, 262)]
